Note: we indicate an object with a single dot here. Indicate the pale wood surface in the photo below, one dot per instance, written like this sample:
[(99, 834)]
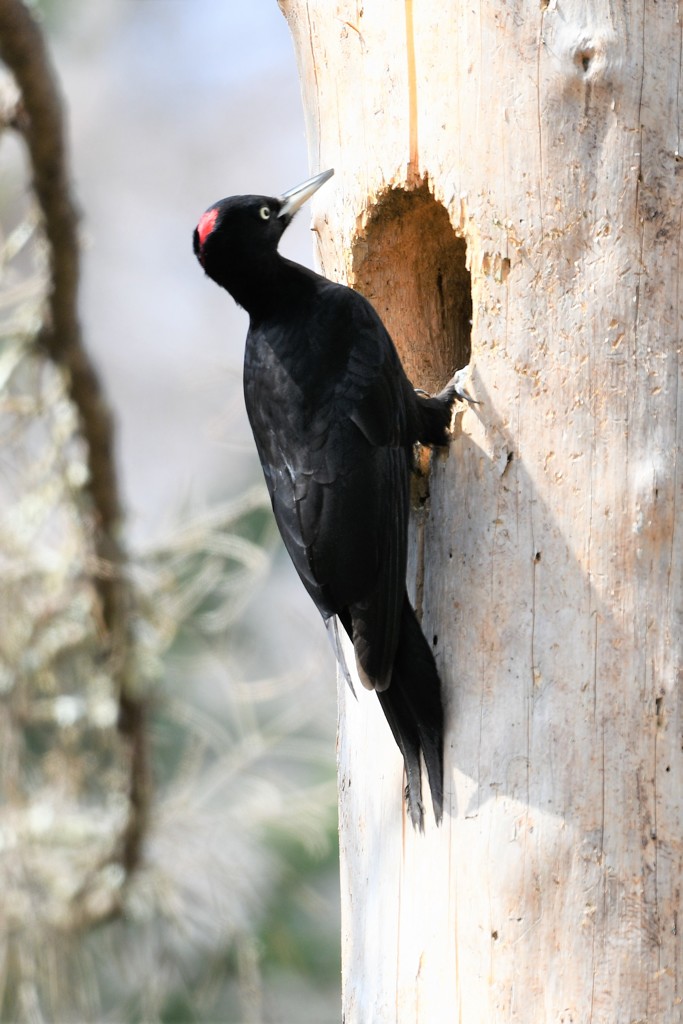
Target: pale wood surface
[(552, 551)]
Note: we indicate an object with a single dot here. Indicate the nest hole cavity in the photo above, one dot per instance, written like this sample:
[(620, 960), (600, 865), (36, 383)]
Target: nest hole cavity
[(412, 266)]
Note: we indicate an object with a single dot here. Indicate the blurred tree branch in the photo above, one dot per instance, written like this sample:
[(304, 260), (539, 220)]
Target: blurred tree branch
[(244, 795), (40, 119)]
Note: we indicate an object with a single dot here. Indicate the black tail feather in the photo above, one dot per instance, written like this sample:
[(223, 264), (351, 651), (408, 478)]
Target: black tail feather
[(413, 708)]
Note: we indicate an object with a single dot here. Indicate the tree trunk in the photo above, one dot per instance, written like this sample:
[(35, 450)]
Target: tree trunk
[(524, 157)]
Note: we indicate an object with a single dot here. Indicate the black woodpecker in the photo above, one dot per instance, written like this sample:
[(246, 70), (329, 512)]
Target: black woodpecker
[(335, 419)]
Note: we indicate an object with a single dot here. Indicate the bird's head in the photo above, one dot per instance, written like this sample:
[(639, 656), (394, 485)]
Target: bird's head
[(239, 236)]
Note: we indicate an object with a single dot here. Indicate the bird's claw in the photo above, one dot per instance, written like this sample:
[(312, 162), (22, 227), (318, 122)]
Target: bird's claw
[(456, 387)]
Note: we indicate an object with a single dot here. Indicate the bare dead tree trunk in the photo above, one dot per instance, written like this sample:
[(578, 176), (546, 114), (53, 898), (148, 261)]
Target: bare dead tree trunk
[(526, 158)]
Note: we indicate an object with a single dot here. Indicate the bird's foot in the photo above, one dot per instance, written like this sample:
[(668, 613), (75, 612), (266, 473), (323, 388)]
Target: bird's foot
[(456, 388), (436, 411)]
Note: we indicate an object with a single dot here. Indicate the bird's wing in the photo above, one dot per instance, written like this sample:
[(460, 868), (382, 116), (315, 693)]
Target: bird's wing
[(339, 476)]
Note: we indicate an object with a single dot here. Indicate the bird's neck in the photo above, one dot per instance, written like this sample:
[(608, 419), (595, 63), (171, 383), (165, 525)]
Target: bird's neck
[(264, 288)]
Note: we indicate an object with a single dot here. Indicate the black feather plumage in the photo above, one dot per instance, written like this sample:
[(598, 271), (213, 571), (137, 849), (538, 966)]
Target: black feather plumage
[(335, 420)]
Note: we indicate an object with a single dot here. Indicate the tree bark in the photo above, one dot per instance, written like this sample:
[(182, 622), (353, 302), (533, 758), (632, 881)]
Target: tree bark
[(548, 552)]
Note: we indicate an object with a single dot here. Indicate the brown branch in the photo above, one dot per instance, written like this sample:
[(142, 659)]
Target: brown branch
[(41, 122)]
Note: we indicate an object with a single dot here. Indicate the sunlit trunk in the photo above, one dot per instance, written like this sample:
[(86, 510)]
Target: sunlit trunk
[(535, 146)]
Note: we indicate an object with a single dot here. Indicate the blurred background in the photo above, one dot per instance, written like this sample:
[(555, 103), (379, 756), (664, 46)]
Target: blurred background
[(233, 913)]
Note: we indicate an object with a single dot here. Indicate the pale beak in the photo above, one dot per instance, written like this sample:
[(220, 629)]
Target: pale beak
[(296, 197)]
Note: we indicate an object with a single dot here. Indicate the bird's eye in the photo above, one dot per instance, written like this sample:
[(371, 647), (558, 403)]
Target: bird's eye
[(264, 213)]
